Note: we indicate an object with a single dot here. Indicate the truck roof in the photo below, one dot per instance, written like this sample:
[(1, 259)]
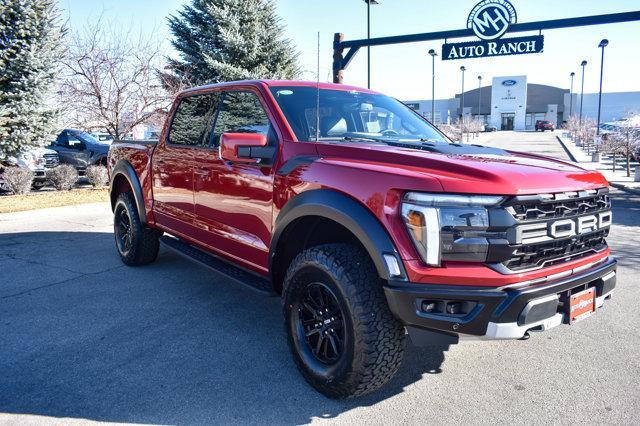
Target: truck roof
[(279, 83)]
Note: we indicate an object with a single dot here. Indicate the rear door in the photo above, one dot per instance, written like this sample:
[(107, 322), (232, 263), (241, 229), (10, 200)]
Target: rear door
[(234, 201), (173, 162)]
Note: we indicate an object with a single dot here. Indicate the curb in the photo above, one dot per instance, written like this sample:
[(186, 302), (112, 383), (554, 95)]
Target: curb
[(613, 184), (625, 188), (566, 150)]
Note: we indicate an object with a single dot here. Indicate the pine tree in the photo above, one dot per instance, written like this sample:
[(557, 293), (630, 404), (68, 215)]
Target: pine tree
[(223, 40), (30, 52)]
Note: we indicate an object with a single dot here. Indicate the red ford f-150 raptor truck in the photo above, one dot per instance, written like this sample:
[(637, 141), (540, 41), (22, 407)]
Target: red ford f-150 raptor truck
[(367, 220)]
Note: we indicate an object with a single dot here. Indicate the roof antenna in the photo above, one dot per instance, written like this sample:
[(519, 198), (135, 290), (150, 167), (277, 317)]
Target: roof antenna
[(318, 92)]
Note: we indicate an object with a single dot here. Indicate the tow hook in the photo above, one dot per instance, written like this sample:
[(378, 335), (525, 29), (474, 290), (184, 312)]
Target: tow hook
[(526, 336)]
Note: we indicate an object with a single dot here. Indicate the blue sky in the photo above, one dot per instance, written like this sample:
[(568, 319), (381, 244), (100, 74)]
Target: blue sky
[(404, 70)]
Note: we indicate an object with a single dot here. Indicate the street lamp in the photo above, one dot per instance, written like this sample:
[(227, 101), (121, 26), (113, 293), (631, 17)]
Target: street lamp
[(433, 84), (583, 64), (573, 74), (602, 45), (463, 69), (369, 3), (479, 94)]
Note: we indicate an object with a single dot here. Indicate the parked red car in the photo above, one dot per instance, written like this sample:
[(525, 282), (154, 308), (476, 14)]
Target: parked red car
[(366, 220), (543, 125)]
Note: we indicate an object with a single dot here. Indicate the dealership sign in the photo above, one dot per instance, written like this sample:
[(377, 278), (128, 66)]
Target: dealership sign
[(501, 47), (490, 20)]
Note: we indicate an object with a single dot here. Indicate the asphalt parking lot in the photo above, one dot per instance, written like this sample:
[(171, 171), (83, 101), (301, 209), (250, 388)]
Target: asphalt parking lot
[(83, 337)]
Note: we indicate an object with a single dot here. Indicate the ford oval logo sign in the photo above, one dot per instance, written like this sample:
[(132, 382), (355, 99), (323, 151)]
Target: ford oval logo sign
[(490, 19), (509, 83)]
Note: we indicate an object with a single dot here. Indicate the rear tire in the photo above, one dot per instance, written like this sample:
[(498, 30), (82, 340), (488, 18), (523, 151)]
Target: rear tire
[(334, 291), (136, 243)]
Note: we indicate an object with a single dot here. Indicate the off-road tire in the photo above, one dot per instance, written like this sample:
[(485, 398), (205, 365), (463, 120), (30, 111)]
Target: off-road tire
[(144, 241), (374, 338)]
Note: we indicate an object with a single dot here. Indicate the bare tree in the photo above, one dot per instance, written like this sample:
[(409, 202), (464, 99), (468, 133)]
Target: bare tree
[(612, 144), (111, 81), (627, 135), (451, 131), (583, 132), (572, 125)]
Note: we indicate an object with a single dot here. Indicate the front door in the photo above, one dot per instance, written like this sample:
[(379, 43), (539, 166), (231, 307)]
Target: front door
[(507, 121), (234, 201), (71, 149), (173, 162)]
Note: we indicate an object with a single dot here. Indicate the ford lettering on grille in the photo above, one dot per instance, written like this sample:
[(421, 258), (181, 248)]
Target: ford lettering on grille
[(563, 228)]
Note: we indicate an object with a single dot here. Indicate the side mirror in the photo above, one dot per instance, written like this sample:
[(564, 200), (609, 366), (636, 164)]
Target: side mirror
[(245, 147)]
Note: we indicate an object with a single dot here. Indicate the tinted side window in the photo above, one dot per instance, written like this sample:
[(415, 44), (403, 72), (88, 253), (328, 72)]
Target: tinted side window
[(74, 141), (194, 116), (62, 140), (241, 112)]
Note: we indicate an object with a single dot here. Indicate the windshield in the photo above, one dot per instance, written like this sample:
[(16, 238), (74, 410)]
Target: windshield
[(346, 115), (88, 138)]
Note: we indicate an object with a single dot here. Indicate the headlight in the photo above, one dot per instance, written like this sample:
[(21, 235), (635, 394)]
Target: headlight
[(448, 227)]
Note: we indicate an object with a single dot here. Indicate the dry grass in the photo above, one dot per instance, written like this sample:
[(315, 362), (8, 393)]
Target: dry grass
[(45, 199)]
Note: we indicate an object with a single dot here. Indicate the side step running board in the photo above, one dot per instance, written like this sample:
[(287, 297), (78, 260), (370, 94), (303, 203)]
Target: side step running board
[(239, 275)]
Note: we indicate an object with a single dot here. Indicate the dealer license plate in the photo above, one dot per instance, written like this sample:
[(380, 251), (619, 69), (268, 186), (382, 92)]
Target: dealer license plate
[(582, 305)]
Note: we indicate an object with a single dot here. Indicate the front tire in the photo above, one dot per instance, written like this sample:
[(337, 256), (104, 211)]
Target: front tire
[(343, 337), (137, 244)]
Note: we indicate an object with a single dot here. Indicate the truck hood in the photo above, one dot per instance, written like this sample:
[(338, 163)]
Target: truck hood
[(466, 168)]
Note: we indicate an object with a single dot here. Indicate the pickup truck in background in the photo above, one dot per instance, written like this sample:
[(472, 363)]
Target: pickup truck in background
[(366, 220), (80, 149)]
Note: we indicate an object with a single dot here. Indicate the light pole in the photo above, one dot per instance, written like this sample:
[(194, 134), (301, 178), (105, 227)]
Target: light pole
[(479, 94), (583, 64), (433, 84), (602, 45), (463, 69), (573, 74), (369, 3)]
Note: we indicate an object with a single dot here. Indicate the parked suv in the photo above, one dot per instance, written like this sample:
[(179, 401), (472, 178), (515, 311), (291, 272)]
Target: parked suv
[(543, 125), (366, 220), (80, 149)]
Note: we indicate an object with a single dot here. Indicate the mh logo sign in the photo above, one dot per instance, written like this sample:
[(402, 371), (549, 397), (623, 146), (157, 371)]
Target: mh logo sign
[(490, 19)]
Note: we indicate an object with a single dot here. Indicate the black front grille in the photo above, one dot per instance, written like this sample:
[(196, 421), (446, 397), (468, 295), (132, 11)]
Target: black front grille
[(557, 206), (556, 252), (51, 160), (547, 208)]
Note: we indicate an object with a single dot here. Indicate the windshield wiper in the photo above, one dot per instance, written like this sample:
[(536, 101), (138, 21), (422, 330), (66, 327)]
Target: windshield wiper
[(352, 139)]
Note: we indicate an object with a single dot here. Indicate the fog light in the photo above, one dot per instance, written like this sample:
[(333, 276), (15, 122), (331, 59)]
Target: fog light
[(454, 308), (428, 306)]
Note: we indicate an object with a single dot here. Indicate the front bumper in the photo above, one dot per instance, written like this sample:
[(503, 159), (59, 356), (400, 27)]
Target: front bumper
[(39, 176), (495, 313)]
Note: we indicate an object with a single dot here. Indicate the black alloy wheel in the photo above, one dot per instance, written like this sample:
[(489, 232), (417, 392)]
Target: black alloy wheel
[(137, 244), (123, 230), (320, 323)]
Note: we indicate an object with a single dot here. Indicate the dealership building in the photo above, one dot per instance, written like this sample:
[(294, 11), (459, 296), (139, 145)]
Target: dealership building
[(511, 103)]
